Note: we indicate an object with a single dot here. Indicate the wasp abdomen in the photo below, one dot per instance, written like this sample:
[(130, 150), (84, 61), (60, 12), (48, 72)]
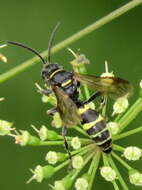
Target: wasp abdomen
[(95, 126)]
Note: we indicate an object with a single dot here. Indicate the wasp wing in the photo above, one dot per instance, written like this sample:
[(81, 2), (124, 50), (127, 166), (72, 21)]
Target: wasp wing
[(112, 86), (67, 108)]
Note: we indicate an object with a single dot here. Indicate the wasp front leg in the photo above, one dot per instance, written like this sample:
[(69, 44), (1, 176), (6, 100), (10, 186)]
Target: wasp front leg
[(45, 92)]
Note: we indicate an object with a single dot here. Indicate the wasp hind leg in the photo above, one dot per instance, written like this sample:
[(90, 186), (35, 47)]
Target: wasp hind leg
[(64, 133)]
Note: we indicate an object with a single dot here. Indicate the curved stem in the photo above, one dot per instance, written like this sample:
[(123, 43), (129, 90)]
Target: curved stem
[(27, 64)]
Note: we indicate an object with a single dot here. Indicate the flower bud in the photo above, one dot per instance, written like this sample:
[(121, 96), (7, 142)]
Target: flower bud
[(57, 122), (75, 143), (135, 177), (63, 184), (108, 173), (81, 184), (132, 153), (113, 127), (77, 162), (26, 139), (46, 134), (41, 172), (51, 157), (5, 127), (120, 105)]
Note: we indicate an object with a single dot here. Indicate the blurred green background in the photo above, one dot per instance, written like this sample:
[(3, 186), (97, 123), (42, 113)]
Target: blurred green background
[(31, 22)]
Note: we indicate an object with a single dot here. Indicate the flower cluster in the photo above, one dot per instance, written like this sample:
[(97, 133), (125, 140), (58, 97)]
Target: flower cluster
[(85, 154)]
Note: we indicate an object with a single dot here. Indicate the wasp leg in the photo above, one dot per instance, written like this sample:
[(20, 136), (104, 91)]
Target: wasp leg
[(52, 111), (64, 133), (43, 91), (92, 98)]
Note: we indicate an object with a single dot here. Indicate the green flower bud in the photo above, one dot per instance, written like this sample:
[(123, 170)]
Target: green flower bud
[(5, 127), (113, 127), (57, 122), (46, 134), (75, 143), (61, 156), (3, 58), (77, 162), (108, 173), (63, 184), (132, 153), (51, 157), (135, 177)]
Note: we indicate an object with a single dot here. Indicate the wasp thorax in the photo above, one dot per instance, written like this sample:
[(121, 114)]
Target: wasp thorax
[(49, 69)]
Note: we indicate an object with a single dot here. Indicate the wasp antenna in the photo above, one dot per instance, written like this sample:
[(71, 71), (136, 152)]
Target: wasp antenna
[(51, 41), (2, 46), (28, 48)]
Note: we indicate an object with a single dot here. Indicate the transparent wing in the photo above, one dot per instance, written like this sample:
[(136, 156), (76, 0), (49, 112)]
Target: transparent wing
[(111, 86), (67, 108)]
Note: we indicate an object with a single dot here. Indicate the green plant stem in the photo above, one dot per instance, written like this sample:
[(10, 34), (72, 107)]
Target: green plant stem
[(80, 130), (130, 115), (122, 161), (96, 164), (118, 174), (131, 132), (48, 143), (27, 64), (105, 160), (115, 185), (118, 148)]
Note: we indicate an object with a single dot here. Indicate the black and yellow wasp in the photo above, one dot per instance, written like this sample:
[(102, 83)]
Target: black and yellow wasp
[(65, 85)]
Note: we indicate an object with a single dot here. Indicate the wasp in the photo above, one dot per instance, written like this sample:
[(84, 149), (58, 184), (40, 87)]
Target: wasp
[(65, 85)]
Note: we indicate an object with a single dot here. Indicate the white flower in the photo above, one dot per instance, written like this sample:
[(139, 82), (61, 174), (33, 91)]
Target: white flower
[(113, 127), (75, 143), (57, 122), (81, 184), (136, 178), (51, 157), (120, 105), (58, 185), (77, 162), (108, 173), (43, 133), (132, 153), (5, 127), (38, 174), (22, 139)]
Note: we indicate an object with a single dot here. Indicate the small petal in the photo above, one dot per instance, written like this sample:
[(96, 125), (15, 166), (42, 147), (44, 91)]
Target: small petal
[(81, 184), (5, 127), (75, 143), (108, 173), (113, 127), (120, 105), (132, 153), (135, 178), (57, 122), (77, 162), (22, 139), (43, 133), (51, 157), (58, 185), (49, 99)]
